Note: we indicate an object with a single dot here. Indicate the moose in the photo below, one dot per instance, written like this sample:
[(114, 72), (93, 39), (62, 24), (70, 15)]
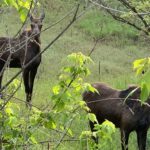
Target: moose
[(18, 51), (121, 107)]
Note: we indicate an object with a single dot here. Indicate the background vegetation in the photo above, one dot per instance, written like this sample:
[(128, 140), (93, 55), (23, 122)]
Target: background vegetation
[(118, 46)]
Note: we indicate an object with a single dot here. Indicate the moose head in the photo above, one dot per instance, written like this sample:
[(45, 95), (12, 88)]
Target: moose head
[(36, 24)]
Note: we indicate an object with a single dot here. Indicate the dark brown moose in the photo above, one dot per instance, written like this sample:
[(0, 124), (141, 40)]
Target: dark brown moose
[(127, 115), (19, 51)]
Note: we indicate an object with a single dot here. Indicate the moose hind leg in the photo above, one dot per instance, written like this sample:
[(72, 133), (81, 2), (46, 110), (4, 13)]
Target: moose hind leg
[(141, 137), (124, 139)]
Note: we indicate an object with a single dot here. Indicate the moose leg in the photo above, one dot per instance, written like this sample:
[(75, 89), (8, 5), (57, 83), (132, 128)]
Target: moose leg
[(124, 139), (31, 80), (92, 129), (26, 85), (1, 85), (1, 76), (141, 137)]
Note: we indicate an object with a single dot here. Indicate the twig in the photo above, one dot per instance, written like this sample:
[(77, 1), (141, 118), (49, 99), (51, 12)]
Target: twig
[(116, 10), (65, 133), (118, 18), (18, 99)]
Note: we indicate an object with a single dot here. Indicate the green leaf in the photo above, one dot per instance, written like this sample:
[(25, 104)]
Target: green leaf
[(70, 132), (9, 111), (56, 89), (141, 65), (33, 140), (92, 117), (50, 124), (23, 13), (146, 79), (85, 134), (89, 87), (144, 92)]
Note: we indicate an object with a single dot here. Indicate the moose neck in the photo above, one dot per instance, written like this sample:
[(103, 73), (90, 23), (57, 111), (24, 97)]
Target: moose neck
[(28, 34), (37, 39)]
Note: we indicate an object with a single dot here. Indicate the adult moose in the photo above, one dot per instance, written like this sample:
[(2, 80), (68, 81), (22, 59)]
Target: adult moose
[(19, 51), (128, 115)]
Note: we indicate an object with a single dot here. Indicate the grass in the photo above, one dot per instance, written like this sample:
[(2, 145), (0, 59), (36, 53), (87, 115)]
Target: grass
[(115, 55), (98, 24)]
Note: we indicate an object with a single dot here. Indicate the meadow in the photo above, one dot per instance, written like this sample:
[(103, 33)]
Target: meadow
[(113, 58)]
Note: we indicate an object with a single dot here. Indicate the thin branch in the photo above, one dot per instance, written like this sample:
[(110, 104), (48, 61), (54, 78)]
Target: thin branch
[(18, 99), (108, 99), (133, 9), (57, 22), (51, 141), (118, 18), (116, 10), (63, 136), (93, 48)]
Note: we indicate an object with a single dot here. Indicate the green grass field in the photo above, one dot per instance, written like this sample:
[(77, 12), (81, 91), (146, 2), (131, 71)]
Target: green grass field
[(113, 55)]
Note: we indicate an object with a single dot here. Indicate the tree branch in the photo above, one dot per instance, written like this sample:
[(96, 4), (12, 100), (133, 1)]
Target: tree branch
[(133, 9), (103, 5)]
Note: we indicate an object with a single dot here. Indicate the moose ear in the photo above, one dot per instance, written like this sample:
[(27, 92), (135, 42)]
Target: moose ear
[(42, 15)]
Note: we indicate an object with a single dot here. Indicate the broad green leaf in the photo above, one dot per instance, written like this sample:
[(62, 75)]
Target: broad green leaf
[(144, 92), (70, 132), (85, 134), (109, 124), (23, 13), (56, 89), (9, 111), (146, 79), (92, 117), (33, 140), (141, 65), (50, 124)]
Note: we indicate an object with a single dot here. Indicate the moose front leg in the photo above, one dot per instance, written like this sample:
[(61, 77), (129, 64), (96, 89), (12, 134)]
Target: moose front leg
[(32, 75), (26, 85), (1, 85)]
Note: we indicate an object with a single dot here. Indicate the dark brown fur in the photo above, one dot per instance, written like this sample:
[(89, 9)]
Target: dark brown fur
[(129, 116), (17, 52)]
